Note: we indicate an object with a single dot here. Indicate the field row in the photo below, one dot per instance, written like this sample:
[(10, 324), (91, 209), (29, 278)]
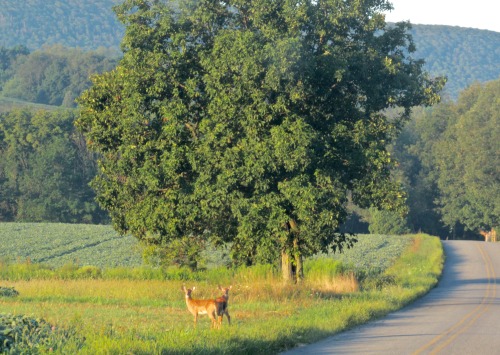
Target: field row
[(58, 244)]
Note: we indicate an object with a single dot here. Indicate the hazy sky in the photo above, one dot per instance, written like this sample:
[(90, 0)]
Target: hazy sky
[(482, 14)]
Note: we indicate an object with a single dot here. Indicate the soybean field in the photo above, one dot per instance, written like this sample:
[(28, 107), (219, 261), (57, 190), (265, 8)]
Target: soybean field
[(58, 244)]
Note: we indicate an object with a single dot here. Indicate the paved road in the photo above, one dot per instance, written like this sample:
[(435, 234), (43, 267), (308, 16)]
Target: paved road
[(460, 316)]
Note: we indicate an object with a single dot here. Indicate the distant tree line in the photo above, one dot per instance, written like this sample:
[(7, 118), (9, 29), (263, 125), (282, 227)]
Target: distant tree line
[(45, 169), (53, 75), (450, 163), (88, 24)]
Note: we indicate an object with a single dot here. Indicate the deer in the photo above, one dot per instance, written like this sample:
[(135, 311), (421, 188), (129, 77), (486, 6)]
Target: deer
[(222, 303), (490, 236), (486, 235), (197, 307)]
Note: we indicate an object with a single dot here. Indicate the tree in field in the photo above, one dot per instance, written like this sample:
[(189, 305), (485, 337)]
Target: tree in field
[(251, 121), (468, 161)]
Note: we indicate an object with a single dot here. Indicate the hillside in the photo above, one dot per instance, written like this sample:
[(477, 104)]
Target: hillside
[(8, 104), (465, 55), (86, 24)]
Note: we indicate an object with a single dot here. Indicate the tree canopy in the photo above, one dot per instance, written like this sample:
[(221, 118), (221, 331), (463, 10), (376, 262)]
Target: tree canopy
[(468, 160), (252, 121), (450, 156), (52, 76), (45, 169)]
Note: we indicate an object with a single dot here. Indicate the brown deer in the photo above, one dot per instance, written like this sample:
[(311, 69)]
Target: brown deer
[(197, 307), (222, 304), (486, 235), (490, 236)]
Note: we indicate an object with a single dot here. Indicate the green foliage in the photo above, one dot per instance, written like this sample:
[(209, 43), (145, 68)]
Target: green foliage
[(255, 130), (184, 252), (45, 169), (387, 222), (25, 335), (8, 57), (463, 55), (450, 156), (468, 162), (74, 23), (8, 292), (373, 254), (54, 75)]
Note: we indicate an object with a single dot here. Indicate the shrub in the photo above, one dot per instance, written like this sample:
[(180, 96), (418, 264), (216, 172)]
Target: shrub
[(8, 292), (24, 335), (88, 272)]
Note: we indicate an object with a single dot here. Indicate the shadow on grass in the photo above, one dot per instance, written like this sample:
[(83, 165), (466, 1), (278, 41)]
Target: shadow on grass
[(253, 346)]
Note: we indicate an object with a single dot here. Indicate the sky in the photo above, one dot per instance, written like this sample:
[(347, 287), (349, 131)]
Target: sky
[(482, 14)]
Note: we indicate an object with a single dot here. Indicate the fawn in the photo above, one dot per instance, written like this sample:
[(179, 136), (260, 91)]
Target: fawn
[(222, 305), (197, 307)]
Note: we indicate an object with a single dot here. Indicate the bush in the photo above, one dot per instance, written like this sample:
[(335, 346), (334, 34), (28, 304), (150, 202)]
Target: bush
[(8, 292), (387, 222), (89, 272), (24, 335)]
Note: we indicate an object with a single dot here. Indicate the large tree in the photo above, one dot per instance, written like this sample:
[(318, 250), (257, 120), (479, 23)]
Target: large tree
[(251, 121)]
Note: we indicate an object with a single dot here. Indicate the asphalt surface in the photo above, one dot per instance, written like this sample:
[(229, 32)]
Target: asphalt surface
[(460, 316)]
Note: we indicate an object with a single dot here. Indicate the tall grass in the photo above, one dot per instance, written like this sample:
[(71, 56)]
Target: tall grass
[(117, 315)]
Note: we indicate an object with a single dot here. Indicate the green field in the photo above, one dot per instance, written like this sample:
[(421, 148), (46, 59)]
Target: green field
[(58, 244), (8, 104), (133, 315)]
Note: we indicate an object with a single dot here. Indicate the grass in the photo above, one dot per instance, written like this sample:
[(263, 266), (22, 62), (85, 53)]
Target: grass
[(118, 316)]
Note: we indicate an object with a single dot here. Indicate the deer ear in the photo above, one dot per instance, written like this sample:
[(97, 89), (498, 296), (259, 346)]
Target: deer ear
[(220, 288)]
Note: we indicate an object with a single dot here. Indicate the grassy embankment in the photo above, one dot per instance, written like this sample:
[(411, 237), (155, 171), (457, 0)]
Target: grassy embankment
[(117, 315)]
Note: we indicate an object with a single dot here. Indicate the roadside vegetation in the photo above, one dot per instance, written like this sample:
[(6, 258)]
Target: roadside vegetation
[(119, 311)]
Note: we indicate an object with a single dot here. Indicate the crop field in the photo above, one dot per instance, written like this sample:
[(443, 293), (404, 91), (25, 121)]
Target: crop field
[(57, 244), (124, 315)]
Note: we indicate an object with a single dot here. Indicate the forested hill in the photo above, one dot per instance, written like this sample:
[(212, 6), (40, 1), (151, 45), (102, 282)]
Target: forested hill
[(465, 55), (87, 24)]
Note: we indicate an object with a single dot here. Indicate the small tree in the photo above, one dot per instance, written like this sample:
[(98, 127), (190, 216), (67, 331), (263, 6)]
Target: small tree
[(251, 121)]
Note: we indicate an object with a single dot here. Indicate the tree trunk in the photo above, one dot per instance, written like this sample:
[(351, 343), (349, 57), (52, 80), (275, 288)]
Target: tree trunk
[(286, 266), (299, 271)]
